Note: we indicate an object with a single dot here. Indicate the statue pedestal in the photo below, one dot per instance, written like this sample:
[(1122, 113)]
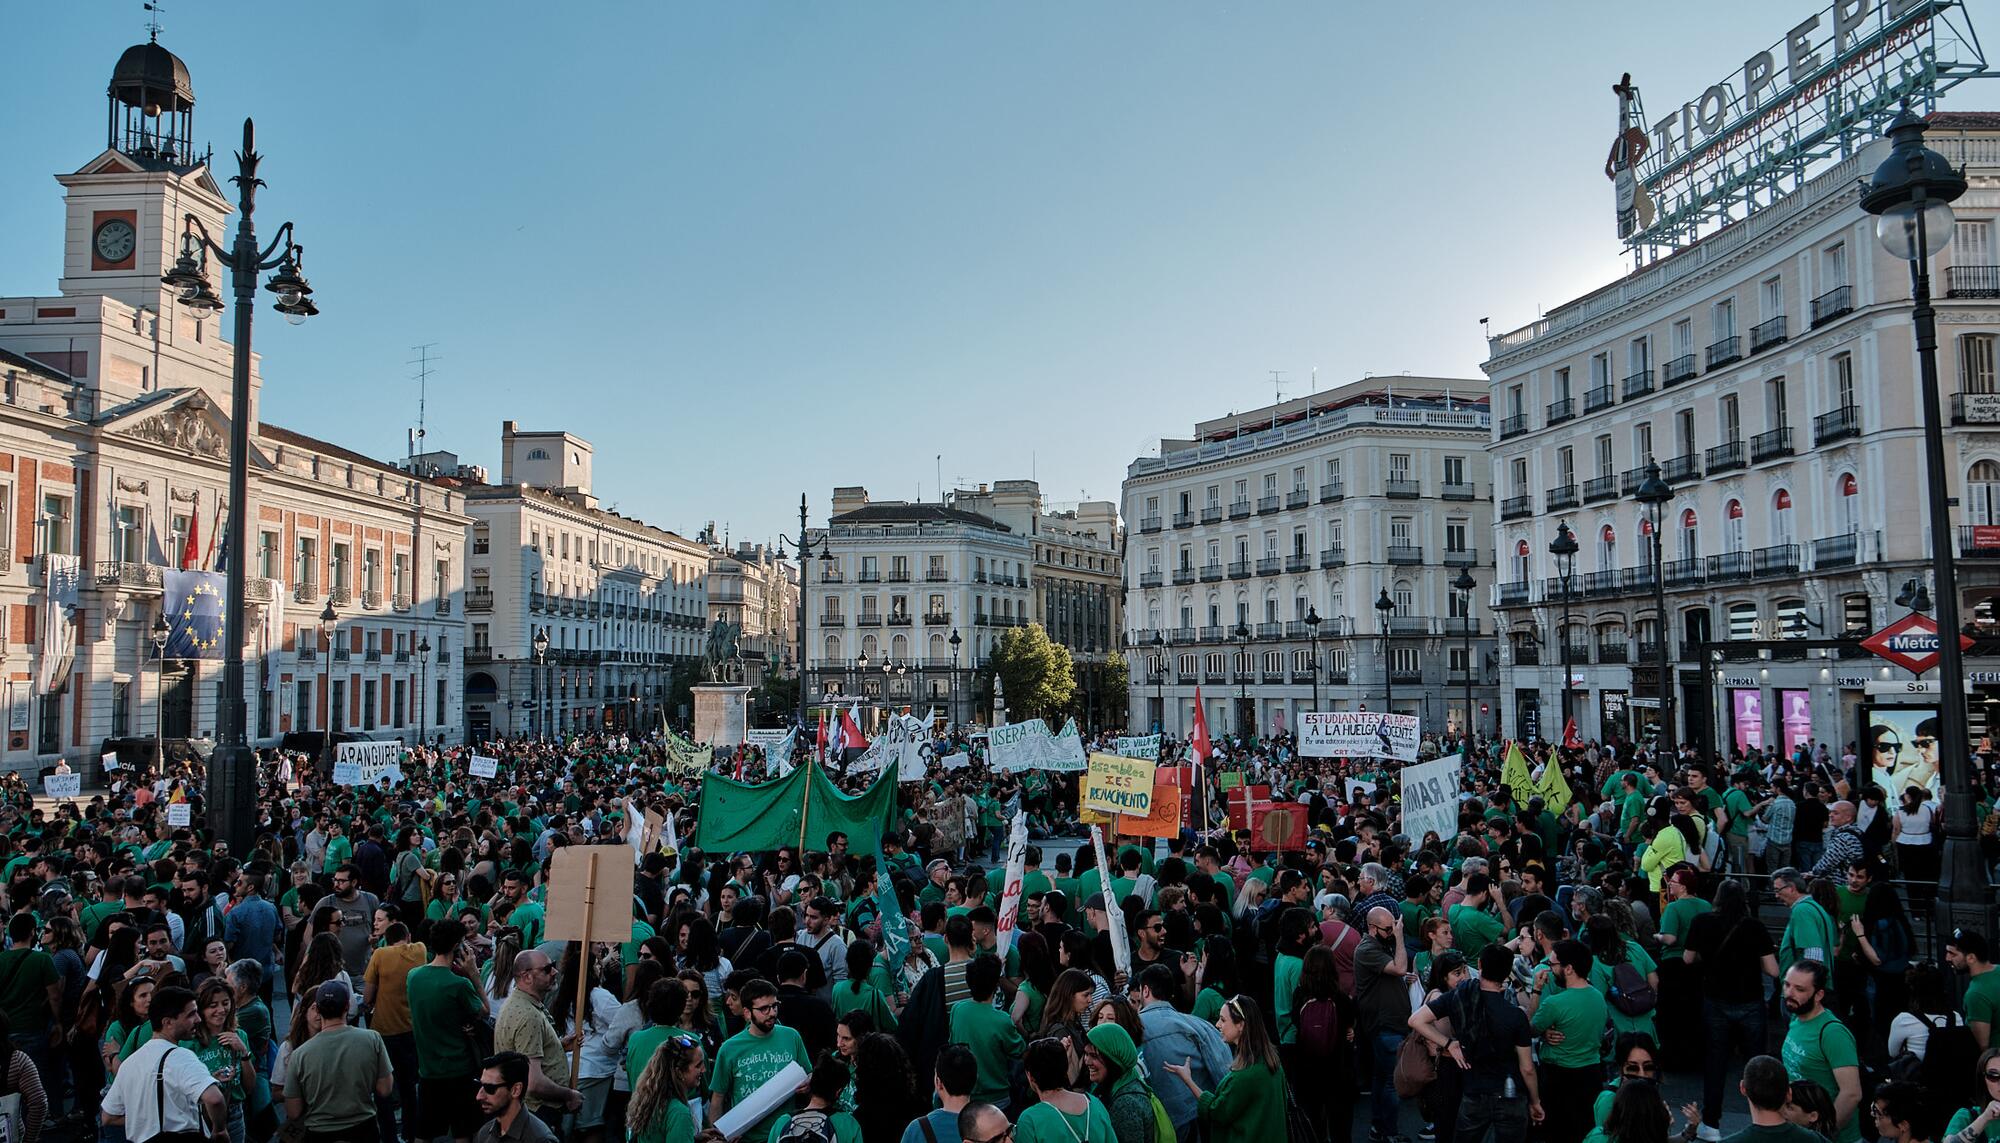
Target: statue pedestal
[(721, 713)]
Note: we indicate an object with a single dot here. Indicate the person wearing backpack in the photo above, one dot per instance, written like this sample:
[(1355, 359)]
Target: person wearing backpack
[(1875, 948), (1625, 974), (820, 1121), (1476, 1029), (1931, 1044), (1323, 1022)]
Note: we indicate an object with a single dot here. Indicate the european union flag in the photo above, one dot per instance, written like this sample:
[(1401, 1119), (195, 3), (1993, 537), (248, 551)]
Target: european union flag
[(194, 608)]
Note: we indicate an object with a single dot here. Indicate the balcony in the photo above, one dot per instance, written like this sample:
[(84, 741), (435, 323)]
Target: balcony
[(476, 599), (371, 600), (1778, 559), (1637, 579), (1149, 524), (1600, 488), (1183, 519), (537, 601), (254, 590), (1729, 567), (1975, 408), (1515, 507), (1681, 469), (1334, 676), (1183, 576), (1213, 514), (1461, 558), (1151, 579), (307, 654), (1648, 652), (128, 576), (1298, 498), (1577, 654), (1630, 480), (1450, 491), (1682, 573), (342, 654), (1563, 410), (305, 591), (1408, 555), (1614, 652), (1239, 510), (1560, 497), (1835, 303), (1271, 631), (1972, 282), (1599, 584), (1724, 457), (1838, 425), (1268, 504), (899, 575), (868, 576), (1979, 541), (1725, 351), (868, 619), (1638, 384), (1330, 493), (1836, 552), (402, 656), (1602, 397), (340, 596), (1527, 655), (1409, 675), (1514, 594), (1770, 446), (1332, 557), (899, 619), (1214, 634), (832, 619), (827, 575), (1513, 426), (1409, 625), (1269, 565), (1298, 562), (1238, 569), (1403, 489), (371, 655), (1677, 370), (981, 620), (1767, 334), (1460, 625)]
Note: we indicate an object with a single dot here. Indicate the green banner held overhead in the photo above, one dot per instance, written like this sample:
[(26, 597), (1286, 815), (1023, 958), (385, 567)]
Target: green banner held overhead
[(740, 817)]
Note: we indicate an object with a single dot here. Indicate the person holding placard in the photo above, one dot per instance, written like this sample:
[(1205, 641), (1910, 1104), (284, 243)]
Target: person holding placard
[(761, 1050)]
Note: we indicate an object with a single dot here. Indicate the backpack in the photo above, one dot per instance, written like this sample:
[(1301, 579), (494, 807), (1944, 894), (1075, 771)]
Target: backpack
[(1319, 1027), (1630, 993), (1949, 1069), (809, 1126)]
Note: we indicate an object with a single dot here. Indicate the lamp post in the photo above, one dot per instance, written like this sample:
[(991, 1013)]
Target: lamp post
[(1089, 687), (540, 645), (329, 621), (1654, 494), (1242, 634), (1911, 195), (423, 688), (1563, 548), (805, 549), (1384, 606), (1312, 622), (161, 630), (1463, 585), (232, 767), (955, 642)]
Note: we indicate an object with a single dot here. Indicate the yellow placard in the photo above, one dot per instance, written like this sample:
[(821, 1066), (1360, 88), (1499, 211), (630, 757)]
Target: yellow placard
[(1515, 773), (1119, 785)]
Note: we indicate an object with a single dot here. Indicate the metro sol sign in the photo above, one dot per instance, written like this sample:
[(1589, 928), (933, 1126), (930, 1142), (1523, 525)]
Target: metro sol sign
[(1910, 642)]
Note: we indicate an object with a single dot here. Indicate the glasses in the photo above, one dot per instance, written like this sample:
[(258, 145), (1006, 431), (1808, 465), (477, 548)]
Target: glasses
[(1993, 1077), (760, 1009), (490, 1088), (1007, 1134), (1640, 1067), (1923, 743)]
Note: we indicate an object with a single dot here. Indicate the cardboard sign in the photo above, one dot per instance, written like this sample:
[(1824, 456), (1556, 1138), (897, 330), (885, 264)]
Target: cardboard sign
[(1143, 746), (366, 763), (1117, 785), (590, 884), (180, 814), (111, 762), (1278, 825), (1359, 790), (484, 767), (1164, 819), (62, 785)]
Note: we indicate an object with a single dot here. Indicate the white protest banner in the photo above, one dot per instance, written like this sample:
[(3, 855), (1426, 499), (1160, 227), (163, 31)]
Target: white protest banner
[(62, 785), (484, 767), (1010, 897), (1114, 917), (1030, 746), (765, 740), (1143, 746), (1359, 790), (1358, 734), (903, 740), (110, 761), (366, 763), (958, 761), (1430, 799), (180, 814)]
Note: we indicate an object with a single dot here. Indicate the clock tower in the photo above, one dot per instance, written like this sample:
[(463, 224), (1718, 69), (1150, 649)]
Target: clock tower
[(125, 207)]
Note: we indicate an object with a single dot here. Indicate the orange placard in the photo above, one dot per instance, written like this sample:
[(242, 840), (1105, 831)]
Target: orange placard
[(1165, 819)]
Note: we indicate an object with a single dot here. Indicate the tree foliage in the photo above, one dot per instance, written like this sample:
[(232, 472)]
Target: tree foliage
[(1038, 675)]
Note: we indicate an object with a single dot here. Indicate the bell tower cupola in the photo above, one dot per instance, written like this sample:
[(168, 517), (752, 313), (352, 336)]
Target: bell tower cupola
[(150, 107)]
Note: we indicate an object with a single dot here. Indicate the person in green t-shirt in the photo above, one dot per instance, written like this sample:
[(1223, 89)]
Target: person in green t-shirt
[(658, 1112), (987, 1030), (1473, 927), (1809, 930), (443, 1000), (750, 1057), (1742, 810), (1967, 952), (1767, 1088), (1818, 1047), (821, 1113), (1570, 1018), (1683, 906)]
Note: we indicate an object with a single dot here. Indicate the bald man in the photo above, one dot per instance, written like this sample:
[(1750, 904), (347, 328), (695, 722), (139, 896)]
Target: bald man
[(1843, 842), (1382, 999), (982, 1123)]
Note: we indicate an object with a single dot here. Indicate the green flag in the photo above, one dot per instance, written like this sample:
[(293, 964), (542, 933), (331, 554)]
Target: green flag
[(739, 817)]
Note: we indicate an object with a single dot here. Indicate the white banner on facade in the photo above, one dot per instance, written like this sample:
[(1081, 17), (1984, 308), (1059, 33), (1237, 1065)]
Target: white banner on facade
[(1143, 746), (58, 650), (1358, 734), (1430, 799), (366, 763), (484, 767), (62, 785), (1030, 746)]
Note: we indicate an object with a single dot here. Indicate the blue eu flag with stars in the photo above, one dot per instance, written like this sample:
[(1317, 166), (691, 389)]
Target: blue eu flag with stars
[(194, 609)]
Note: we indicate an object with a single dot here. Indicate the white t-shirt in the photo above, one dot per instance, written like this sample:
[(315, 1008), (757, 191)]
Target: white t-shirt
[(1914, 829), (135, 1094)]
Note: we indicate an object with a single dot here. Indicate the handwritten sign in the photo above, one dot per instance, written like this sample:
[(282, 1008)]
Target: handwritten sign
[(484, 767), (62, 785), (180, 814), (110, 761), (1358, 734), (1164, 818), (1142, 746), (1430, 799), (1116, 785), (366, 763)]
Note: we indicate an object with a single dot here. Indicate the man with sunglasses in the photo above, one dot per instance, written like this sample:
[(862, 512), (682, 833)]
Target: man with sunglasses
[(503, 1087), (524, 1026), (984, 1123)]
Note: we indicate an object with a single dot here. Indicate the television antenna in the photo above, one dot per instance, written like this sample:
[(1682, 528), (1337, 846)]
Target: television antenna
[(422, 377)]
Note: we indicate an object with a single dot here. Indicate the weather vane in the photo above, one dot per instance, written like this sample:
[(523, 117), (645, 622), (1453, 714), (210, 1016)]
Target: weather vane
[(153, 21)]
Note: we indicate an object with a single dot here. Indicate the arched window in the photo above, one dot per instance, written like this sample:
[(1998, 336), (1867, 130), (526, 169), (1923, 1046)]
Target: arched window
[(1847, 505), (1521, 551), (1792, 619), (1743, 621), (1271, 605), (935, 652), (899, 649), (1781, 518), (1690, 534), (1982, 493), (1732, 527), (868, 646), (1404, 597), (538, 454), (1300, 606), (1607, 548)]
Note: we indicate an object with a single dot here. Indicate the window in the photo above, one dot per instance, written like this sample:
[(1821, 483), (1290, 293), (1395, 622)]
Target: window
[(1607, 548), (1521, 562), (132, 534), (1732, 420), (1723, 319), (305, 562), (1847, 503), (1606, 463), (1562, 381), (1642, 443), (399, 702), (1333, 470), (1690, 535), (1771, 298), (268, 555), (1399, 466), (1774, 403), (1840, 380), (1982, 493), (340, 568), (1684, 431), (1454, 470), (371, 570), (441, 580), (1399, 532), (1972, 243), (121, 709), (1781, 518), (1732, 526), (1455, 531), (1833, 266), (1299, 478), (1742, 621), (1565, 466), (1518, 472), (1975, 363), (1683, 336), (538, 454), (1516, 400), (56, 525)]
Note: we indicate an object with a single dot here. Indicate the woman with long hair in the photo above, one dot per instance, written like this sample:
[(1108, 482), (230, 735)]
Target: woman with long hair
[(305, 1024), (597, 1061), (1735, 953), (500, 972), (858, 992), (1060, 1113), (444, 896), (1929, 1010), (1638, 1114), (1981, 1121), (699, 1014), (132, 1026), (322, 962), (1111, 1061), (221, 1048), (1038, 975), (659, 1111), (1917, 847), (1810, 1106), (698, 953), (1117, 1009), (1068, 1005), (1323, 1015), (1609, 949), (1248, 1106), (885, 1093), (1216, 974)]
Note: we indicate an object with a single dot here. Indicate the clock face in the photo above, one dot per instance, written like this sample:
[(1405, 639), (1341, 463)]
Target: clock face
[(115, 239)]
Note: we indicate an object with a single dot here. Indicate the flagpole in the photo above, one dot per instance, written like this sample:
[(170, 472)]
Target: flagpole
[(805, 812)]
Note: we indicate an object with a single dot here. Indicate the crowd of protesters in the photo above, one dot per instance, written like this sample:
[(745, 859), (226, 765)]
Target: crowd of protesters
[(377, 965)]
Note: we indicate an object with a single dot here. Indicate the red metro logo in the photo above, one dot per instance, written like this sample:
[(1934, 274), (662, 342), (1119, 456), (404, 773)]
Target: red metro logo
[(1910, 642)]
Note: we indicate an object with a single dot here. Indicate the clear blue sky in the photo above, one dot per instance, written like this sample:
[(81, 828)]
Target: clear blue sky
[(751, 249)]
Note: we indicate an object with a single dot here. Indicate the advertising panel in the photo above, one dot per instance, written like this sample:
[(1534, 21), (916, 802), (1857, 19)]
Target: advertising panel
[(1901, 745)]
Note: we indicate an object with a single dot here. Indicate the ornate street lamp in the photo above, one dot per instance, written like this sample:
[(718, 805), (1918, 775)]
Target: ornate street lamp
[(1654, 494), (1159, 645), (1242, 634), (539, 682), (329, 621), (423, 688), (1463, 585), (161, 631), (1384, 607), (1312, 622), (1563, 548), (955, 642)]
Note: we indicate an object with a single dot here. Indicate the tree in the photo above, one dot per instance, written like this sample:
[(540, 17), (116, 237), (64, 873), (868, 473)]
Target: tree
[(1039, 677), (776, 700)]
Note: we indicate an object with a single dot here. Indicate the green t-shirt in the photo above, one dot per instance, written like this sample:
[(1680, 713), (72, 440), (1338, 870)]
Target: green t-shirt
[(1285, 972), (339, 852), (1208, 1005), (1042, 1123), (214, 1056), (529, 918), (1809, 933), (639, 1049), (27, 974), (441, 1004), (1579, 1014), (1814, 1049), (1963, 1119), (1779, 1133), (1739, 806), (1473, 929), (846, 1128), (995, 1045), (1982, 999), (746, 1060), (674, 1124), (1676, 919)]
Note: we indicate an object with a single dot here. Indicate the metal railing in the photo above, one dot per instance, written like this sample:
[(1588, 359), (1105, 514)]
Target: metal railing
[(1724, 457), (1637, 384), (1331, 491), (1513, 426), (1839, 424), (1725, 351), (1837, 302), (1770, 445), (1332, 557), (1600, 488), (1777, 559), (1268, 565), (1402, 489), (1727, 567), (1836, 551), (1972, 282), (1563, 410), (1515, 506), (1298, 498), (1149, 524), (1450, 491), (1679, 369), (1268, 504), (1602, 397), (1406, 554), (1767, 334), (1239, 509), (1681, 468), (1560, 497)]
